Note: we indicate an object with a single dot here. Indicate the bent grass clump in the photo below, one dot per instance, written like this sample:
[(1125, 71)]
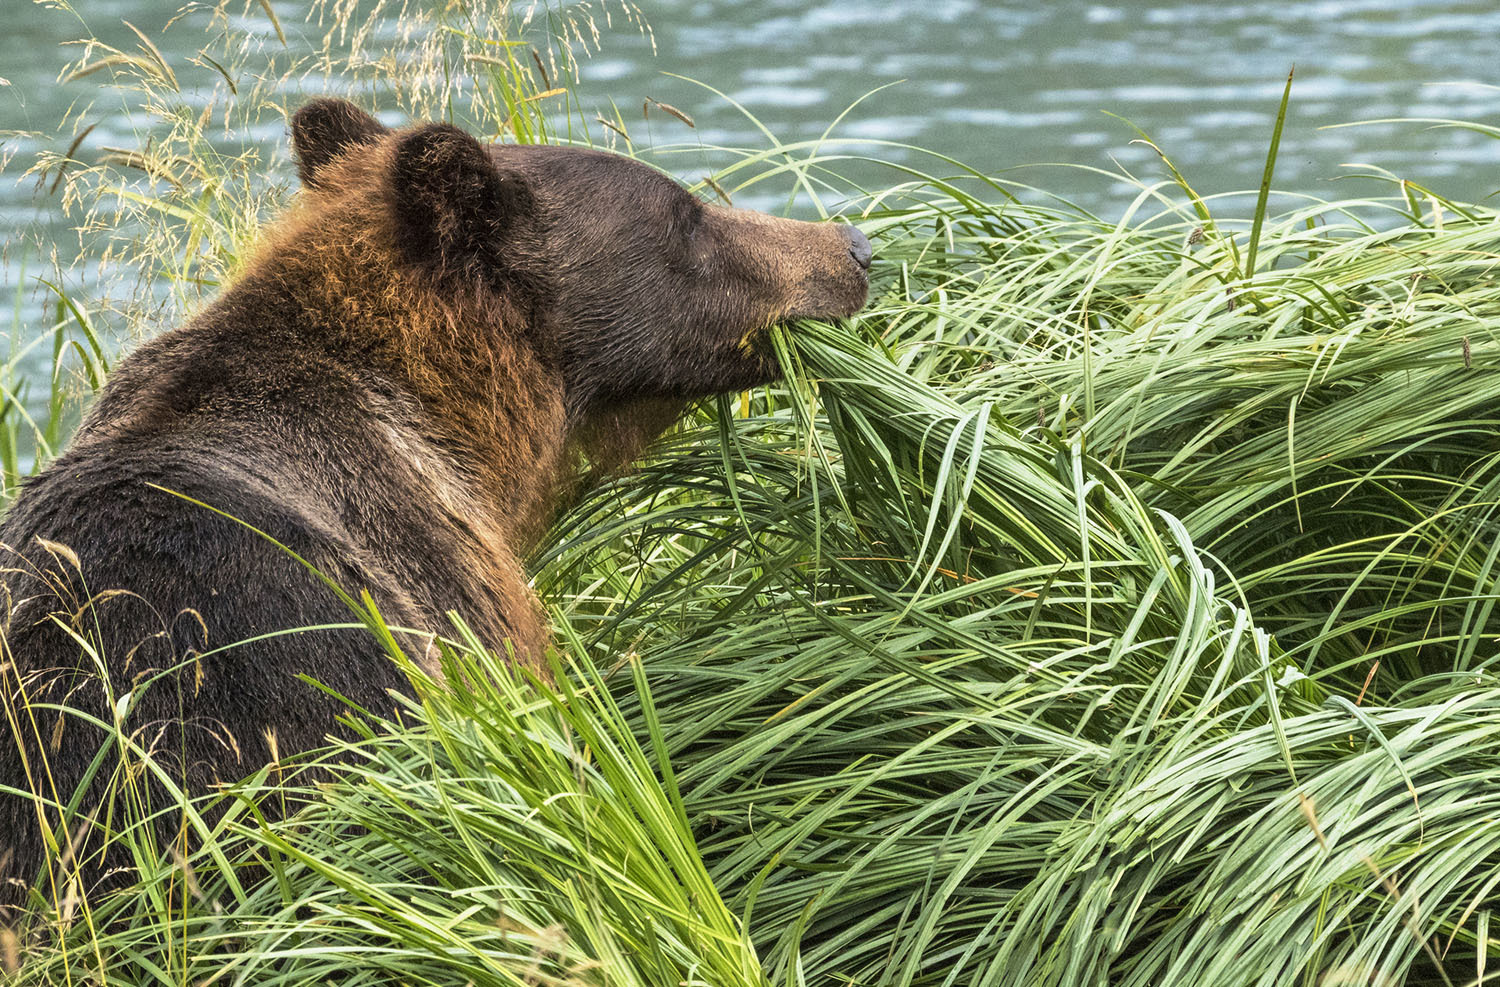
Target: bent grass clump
[(1093, 609)]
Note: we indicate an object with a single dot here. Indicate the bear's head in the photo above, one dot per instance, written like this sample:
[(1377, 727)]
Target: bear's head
[(630, 287)]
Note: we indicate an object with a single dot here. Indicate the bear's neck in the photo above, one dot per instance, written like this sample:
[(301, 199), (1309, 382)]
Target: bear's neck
[(486, 402)]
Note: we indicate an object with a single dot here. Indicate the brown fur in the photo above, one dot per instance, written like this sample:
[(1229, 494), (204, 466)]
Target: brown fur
[(494, 452)]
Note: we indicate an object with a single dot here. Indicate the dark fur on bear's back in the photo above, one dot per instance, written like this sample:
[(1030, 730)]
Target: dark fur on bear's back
[(399, 389)]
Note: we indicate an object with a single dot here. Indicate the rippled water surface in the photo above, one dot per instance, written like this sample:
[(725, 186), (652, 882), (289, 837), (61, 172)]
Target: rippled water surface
[(1004, 87)]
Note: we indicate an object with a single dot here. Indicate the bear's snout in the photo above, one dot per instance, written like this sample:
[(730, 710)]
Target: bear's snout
[(859, 247)]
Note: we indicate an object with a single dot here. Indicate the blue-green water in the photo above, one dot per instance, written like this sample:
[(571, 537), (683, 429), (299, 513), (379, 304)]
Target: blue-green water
[(1005, 87)]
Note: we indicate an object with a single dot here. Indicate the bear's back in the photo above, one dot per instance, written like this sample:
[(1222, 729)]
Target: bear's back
[(155, 568)]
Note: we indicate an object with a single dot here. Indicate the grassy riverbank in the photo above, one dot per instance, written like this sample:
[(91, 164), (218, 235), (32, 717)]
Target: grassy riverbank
[(1112, 602)]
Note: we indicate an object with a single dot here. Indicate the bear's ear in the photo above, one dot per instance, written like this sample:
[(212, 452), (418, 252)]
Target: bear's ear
[(455, 207), (326, 128)]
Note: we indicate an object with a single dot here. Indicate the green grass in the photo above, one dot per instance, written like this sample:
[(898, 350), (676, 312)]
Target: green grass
[(977, 650), (1110, 603), (501, 833)]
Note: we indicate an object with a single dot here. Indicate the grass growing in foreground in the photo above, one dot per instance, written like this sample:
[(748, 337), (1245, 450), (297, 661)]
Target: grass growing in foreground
[(497, 833), (1090, 612), (1101, 606)]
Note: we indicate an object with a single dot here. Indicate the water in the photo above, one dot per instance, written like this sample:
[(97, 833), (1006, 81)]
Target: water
[(1004, 87)]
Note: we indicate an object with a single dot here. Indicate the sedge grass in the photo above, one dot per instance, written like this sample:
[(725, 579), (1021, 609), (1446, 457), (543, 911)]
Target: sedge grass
[(1051, 624)]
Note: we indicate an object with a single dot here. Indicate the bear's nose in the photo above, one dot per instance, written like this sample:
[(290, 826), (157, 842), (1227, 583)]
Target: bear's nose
[(859, 247)]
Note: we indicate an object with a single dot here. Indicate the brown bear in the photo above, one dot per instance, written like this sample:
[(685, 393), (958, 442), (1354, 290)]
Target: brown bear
[(400, 389)]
